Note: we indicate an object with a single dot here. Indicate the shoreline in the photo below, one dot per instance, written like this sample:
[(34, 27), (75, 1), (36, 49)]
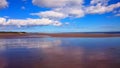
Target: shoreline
[(27, 35)]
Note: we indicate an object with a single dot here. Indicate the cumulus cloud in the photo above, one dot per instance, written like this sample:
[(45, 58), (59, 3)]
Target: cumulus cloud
[(2, 21), (113, 6), (101, 6), (50, 15), (3, 3), (26, 22), (61, 9), (73, 8), (56, 3), (73, 12)]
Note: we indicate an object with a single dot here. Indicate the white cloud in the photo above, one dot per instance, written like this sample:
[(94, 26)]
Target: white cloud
[(56, 3), (3, 3), (2, 21), (50, 15), (73, 8), (100, 9), (103, 2), (61, 13), (27, 22), (75, 12), (51, 3), (60, 9), (113, 6)]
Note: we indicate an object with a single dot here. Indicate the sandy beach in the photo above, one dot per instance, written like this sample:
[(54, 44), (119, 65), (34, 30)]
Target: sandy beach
[(21, 34)]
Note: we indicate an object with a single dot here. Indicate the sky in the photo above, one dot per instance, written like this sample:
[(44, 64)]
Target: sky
[(50, 16)]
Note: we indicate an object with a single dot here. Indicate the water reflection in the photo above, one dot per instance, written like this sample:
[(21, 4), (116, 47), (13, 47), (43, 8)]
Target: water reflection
[(29, 43), (60, 53)]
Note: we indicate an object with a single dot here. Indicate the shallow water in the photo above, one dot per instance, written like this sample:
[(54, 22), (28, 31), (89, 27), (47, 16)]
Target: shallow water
[(60, 53)]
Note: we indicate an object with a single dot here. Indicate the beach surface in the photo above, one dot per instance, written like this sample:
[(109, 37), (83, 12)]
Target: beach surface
[(22, 34), (60, 52)]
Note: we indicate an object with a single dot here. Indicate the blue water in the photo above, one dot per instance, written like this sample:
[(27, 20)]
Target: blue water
[(60, 52)]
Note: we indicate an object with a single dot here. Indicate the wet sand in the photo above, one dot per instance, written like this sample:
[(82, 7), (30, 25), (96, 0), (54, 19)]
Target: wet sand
[(12, 35), (57, 57), (59, 52)]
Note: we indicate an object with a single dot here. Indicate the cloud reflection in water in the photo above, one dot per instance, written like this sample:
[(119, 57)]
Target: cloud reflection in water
[(29, 43)]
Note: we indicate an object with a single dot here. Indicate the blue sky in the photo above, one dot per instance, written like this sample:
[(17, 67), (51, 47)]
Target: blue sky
[(60, 15)]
